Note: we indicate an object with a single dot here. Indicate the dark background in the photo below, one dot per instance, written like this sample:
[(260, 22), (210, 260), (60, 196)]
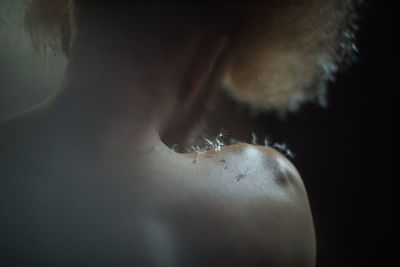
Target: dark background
[(347, 154)]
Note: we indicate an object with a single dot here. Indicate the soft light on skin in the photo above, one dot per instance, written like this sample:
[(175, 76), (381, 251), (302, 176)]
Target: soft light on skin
[(160, 242), (103, 132), (27, 77)]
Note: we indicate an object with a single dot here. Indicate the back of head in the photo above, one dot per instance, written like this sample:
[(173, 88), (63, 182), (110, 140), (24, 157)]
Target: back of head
[(281, 52)]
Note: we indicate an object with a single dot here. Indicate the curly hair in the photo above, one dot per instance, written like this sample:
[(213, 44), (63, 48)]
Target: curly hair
[(319, 29)]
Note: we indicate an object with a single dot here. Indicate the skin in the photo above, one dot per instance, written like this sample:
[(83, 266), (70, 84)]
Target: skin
[(86, 178), (73, 203)]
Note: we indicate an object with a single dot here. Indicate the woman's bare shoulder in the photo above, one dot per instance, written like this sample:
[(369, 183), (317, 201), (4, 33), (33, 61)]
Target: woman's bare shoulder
[(258, 199), (248, 164)]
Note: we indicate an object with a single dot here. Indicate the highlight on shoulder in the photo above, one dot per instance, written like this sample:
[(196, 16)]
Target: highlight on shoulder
[(250, 162), (260, 188)]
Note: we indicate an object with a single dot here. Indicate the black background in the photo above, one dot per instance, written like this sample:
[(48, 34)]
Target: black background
[(347, 153)]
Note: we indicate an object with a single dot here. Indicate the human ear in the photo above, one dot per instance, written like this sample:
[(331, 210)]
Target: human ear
[(201, 79), (203, 67)]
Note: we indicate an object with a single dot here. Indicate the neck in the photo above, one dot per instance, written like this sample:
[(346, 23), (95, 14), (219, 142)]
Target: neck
[(109, 106)]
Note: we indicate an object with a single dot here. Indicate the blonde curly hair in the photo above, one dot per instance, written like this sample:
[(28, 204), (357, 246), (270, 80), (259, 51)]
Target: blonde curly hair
[(317, 33)]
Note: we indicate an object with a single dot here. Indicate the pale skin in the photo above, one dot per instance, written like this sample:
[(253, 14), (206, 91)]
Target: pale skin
[(87, 179)]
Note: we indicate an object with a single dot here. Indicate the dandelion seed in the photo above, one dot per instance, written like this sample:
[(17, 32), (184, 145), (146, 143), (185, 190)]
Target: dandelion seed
[(198, 155), (209, 142), (284, 149), (219, 142), (355, 48), (253, 138), (266, 142)]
